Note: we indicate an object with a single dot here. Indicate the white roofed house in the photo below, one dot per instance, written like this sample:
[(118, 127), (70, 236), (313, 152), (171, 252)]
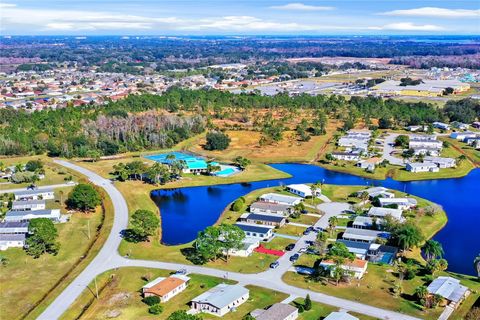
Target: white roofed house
[(340, 315), (422, 167), (463, 135), (280, 199), (362, 222), (401, 203), (248, 246), (303, 190), (12, 240), (347, 156), (45, 194), (220, 300), (25, 215), (450, 289), (357, 267), (31, 205), (441, 162), (364, 235), (270, 208), (377, 192), (383, 212)]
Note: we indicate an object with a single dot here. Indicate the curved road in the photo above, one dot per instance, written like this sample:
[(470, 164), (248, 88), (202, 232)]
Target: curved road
[(108, 258)]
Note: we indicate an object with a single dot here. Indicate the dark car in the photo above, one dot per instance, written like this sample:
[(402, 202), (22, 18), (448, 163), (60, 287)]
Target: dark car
[(275, 264), (313, 251), (181, 272), (294, 257), (290, 247)]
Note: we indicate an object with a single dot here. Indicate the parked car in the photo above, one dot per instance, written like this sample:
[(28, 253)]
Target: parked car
[(294, 257), (312, 251), (305, 270), (181, 271), (302, 250), (290, 247), (275, 264)]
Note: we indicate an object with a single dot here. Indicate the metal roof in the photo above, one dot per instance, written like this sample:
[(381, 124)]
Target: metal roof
[(447, 287), (31, 192), (266, 217), (221, 295), (253, 227), (279, 311)]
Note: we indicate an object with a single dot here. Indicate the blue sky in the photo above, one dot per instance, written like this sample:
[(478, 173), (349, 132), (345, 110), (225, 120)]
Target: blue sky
[(215, 17)]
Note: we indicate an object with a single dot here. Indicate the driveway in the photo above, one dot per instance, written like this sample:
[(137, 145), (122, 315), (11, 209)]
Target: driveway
[(108, 258), (388, 148)]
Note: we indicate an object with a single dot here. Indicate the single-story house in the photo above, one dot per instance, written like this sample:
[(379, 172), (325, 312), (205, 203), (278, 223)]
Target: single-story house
[(166, 288), (369, 164), (461, 136), (13, 227), (362, 222), (347, 156), (383, 212), (422, 167), (357, 266), (432, 151), (303, 190), (248, 246), (372, 252), (12, 241), (340, 315), (270, 207), (221, 299), (441, 162), (255, 231), (46, 194), (416, 128), (278, 311), (364, 235), (25, 215), (264, 219), (450, 289), (402, 203), (459, 125), (377, 192), (29, 205), (280, 199), (441, 125)]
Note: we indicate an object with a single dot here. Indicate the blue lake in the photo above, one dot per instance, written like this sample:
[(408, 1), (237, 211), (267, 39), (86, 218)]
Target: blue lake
[(186, 211)]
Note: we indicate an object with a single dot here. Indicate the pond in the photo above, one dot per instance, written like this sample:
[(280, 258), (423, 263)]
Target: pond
[(186, 211)]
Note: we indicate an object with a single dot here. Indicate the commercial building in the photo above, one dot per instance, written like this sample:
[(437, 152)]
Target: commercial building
[(427, 88)]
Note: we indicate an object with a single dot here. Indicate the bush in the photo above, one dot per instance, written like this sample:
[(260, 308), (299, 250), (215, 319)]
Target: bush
[(151, 301), (217, 141), (156, 309), (238, 205), (22, 177)]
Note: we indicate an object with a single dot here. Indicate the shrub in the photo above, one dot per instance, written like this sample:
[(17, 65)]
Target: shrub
[(217, 141), (155, 309), (238, 205), (151, 301)]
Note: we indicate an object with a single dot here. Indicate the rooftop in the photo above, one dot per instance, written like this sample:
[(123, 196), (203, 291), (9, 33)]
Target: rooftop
[(447, 287), (266, 217), (221, 295), (31, 192), (278, 311), (248, 227), (162, 286), (262, 205)]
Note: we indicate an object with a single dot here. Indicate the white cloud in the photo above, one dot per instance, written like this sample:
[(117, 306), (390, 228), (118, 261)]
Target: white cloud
[(408, 26), (435, 12), (301, 7)]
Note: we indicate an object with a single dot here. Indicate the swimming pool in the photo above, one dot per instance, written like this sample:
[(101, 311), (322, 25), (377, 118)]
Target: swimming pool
[(226, 171), (164, 157)]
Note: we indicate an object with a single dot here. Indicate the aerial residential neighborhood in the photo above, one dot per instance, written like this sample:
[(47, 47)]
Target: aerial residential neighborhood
[(239, 160)]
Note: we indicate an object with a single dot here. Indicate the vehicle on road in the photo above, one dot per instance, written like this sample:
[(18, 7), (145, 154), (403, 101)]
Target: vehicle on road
[(274, 265), (294, 257), (302, 250), (312, 251), (305, 271), (181, 272), (290, 247)]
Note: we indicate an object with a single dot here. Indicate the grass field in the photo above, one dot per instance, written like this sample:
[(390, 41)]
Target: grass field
[(54, 173), (27, 282), (320, 311), (120, 294), (469, 151), (376, 287)]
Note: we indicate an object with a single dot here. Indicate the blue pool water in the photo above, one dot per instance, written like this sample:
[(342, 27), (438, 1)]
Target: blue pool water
[(188, 210), (225, 172), (162, 157), (386, 258)]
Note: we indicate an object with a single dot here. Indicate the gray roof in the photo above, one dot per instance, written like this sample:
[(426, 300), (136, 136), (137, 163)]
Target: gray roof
[(31, 192), (364, 234), (221, 295), (448, 287), (266, 217), (12, 237), (279, 311), (382, 212), (21, 213), (365, 221), (262, 205), (13, 227), (275, 197), (21, 202), (253, 227), (340, 316)]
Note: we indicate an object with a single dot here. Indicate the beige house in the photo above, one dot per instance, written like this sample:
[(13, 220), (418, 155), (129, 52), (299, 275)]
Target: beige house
[(166, 288)]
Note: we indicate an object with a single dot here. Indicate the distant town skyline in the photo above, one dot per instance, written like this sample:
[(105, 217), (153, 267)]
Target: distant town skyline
[(243, 17)]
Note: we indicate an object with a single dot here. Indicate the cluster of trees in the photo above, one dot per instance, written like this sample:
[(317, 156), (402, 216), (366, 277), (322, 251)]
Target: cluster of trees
[(84, 197), (410, 82), (470, 61), (42, 238), (157, 173), (217, 241), (144, 223), (217, 140), (30, 172)]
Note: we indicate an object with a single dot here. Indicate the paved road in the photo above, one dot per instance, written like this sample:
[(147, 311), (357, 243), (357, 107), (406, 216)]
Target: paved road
[(108, 258), (53, 186), (388, 149)]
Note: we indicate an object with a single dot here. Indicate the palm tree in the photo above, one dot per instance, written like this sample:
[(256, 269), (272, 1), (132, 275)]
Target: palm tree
[(433, 249), (408, 236), (421, 293), (332, 223), (476, 263), (442, 264)]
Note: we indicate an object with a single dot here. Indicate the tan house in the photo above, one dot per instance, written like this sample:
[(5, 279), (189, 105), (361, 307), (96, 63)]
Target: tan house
[(166, 288)]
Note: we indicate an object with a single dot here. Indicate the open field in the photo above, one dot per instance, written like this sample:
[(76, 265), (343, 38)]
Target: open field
[(27, 282), (54, 174), (120, 294), (376, 287), (468, 151)]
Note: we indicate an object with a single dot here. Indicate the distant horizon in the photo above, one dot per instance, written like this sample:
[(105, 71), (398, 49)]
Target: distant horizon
[(244, 35)]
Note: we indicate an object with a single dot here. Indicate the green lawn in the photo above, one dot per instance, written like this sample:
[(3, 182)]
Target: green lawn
[(119, 292), (27, 282), (320, 311)]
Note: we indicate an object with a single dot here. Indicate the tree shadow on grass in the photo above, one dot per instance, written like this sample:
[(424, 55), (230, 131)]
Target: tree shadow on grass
[(191, 255), (131, 236)]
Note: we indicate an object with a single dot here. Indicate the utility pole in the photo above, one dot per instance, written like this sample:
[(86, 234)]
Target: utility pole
[(88, 226), (96, 287)]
